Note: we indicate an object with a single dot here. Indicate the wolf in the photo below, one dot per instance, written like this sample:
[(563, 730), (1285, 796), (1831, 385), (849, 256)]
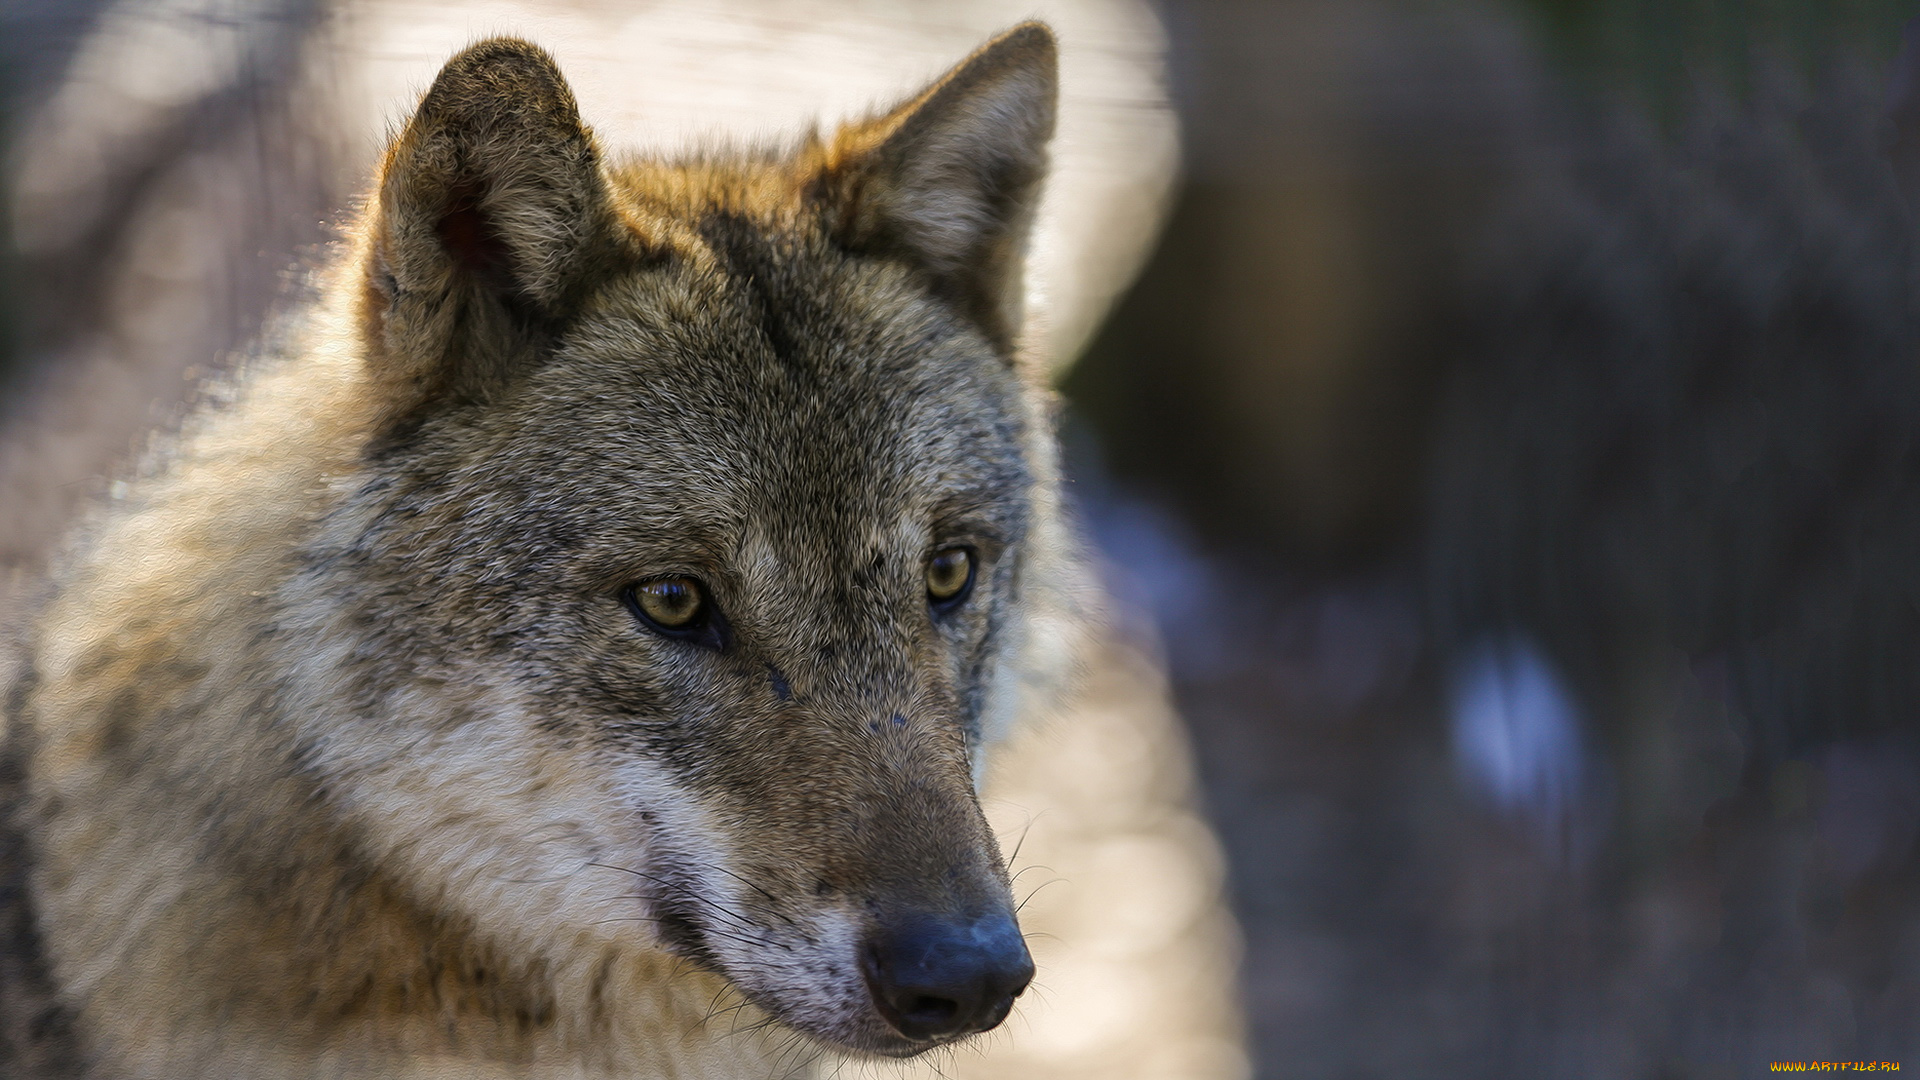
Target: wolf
[(577, 636)]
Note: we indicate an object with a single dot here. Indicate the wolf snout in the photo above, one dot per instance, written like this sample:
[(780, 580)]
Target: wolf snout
[(934, 978)]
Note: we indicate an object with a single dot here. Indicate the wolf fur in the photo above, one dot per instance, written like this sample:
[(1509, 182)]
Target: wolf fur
[(343, 755)]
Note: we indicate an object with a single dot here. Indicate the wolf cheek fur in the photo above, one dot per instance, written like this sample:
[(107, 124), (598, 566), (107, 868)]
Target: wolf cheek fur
[(352, 751)]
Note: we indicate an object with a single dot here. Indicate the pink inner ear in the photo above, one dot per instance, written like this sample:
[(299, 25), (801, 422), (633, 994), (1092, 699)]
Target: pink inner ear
[(469, 238)]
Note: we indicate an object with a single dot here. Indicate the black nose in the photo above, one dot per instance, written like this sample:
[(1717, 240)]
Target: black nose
[(937, 978)]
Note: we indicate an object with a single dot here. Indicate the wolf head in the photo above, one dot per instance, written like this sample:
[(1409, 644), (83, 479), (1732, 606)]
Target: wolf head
[(692, 541)]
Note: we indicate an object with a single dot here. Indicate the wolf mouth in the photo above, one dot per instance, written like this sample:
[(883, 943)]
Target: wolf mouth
[(681, 935), (898, 1010)]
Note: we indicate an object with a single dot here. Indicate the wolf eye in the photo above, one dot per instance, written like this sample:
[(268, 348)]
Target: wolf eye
[(670, 603), (949, 576), (677, 607)]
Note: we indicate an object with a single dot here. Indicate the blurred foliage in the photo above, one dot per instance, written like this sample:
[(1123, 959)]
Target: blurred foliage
[(1658, 51)]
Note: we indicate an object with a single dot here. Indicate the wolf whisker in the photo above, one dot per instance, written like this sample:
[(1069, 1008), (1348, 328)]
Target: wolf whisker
[(760, 1025), (742, 938), (1031, 866), (686, 892), (717, 995), (1036, 892), (791, 1062), (770, 897), (734, 1011), (1022, 842)]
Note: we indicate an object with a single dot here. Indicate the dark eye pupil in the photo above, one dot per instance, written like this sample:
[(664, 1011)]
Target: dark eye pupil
[(671, 603)]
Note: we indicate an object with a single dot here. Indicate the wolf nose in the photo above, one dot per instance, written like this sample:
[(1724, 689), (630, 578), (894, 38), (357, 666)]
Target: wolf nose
[(934, 978)]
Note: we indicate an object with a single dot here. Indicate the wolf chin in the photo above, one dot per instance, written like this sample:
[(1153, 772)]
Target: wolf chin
[(578, 638)]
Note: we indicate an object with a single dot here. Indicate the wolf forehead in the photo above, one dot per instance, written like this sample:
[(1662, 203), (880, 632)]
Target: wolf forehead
[(753, 386), (775, 324), (755, 350)]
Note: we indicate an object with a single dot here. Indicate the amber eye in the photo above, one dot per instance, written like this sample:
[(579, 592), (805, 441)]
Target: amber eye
[(670, 603), (949, 576), (678, 607)]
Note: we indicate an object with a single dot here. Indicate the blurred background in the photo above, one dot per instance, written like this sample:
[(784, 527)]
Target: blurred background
[(1514, 439), (1498, 425)]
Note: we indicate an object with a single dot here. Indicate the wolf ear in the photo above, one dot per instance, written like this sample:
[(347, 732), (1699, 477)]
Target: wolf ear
[(491, 215), (948, 180)]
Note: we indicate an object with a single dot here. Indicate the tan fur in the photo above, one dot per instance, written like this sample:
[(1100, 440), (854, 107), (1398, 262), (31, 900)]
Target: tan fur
[(345, 759)]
